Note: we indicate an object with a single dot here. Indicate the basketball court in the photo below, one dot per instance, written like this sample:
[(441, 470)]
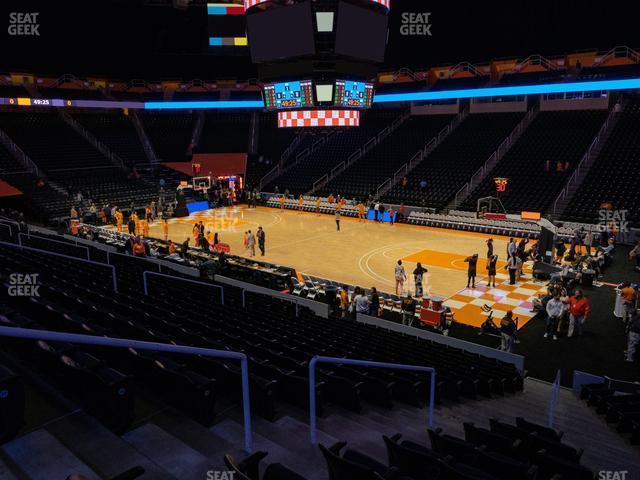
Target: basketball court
[(365, 254)]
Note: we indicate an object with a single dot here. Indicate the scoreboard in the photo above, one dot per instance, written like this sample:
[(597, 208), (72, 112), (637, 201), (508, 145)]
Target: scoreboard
[(299, 94), (353, 94), (283, 95)]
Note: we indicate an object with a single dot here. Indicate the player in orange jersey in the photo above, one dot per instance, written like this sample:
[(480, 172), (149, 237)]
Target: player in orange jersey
[(300, 202), (361, 217), (318, 205), (165, 229), (281, 200)]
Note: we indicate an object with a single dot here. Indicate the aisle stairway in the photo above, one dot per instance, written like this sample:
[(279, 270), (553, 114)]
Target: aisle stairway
[(170, 446)]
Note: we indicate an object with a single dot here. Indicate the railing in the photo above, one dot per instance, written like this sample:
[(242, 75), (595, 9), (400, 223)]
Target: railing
[(618, 52), (360, 151), (582, 164), (320, 182), (555, 395), (145, 281), (68, 257), (144, 139), (97, 144), (46, 335), (362, 363), (492, 161), (537, 60), (29, 235), (464, 67), (19, 155), (420, 154)]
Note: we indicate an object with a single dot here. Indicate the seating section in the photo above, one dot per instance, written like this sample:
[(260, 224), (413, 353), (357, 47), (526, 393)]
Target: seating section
[(453, 162), (613, 176), (225, 132), (50, 142), (501, 452), (619, 402), (363, 177), (78, 296), (169, 133), (559, 136), (272, 142), (117, 132), (300, 178)]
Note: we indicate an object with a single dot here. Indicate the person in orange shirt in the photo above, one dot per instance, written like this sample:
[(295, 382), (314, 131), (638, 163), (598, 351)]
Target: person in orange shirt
[(119, 220), (628, 295), (318, 205), (300, 201), (281, 200), (391, 212), (147, 214), (361, 217), (165, 229), (145, 227), (344, 301), (210, 237), (196, 233), (172, 248), (138, 249), (330, 198)]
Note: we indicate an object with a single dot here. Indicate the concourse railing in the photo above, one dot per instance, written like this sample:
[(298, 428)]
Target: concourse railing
[(47, 335)]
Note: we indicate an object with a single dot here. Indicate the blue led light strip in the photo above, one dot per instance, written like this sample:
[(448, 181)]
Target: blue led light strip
[(510, 91), (205, 104)]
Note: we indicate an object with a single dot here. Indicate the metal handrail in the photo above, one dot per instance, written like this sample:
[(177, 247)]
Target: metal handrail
[(319, 182), (149, 272), (362, 363), (29, 235), (46, 252), (337, 168), (142, 345)]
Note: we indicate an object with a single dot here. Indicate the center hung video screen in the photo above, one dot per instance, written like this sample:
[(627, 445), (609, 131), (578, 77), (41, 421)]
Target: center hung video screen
[(284, 95), (354, 94), (361, 33), (282, 32)]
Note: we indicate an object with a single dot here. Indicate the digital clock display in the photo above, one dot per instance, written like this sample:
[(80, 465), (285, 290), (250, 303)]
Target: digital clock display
[(353, 94), (296, 94)]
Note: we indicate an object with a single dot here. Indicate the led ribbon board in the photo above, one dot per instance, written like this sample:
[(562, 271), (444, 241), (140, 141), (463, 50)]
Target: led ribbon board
[(510, 91), (319, 118), (604, 85)]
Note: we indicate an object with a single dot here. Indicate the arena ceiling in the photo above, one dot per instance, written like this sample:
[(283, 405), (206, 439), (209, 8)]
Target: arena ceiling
[(151, 39)]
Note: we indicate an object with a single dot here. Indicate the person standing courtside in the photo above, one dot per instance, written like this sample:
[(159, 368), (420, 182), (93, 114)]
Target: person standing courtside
[(261, 240), (337, 218), (472, 270), (417, 278), (491, 270), (400, 277)]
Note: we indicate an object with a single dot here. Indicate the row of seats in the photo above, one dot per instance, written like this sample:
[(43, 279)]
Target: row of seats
[(523, 451), (619, 402), (454, 222)]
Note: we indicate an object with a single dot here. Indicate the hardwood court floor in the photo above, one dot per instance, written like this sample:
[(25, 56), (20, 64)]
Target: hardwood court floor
[(365, 253)]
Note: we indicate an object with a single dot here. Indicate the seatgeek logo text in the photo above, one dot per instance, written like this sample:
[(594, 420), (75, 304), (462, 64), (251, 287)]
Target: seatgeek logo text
[(24, 24)]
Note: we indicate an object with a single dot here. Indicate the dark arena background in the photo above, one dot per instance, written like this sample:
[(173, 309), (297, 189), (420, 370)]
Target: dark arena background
[(319, 239)]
